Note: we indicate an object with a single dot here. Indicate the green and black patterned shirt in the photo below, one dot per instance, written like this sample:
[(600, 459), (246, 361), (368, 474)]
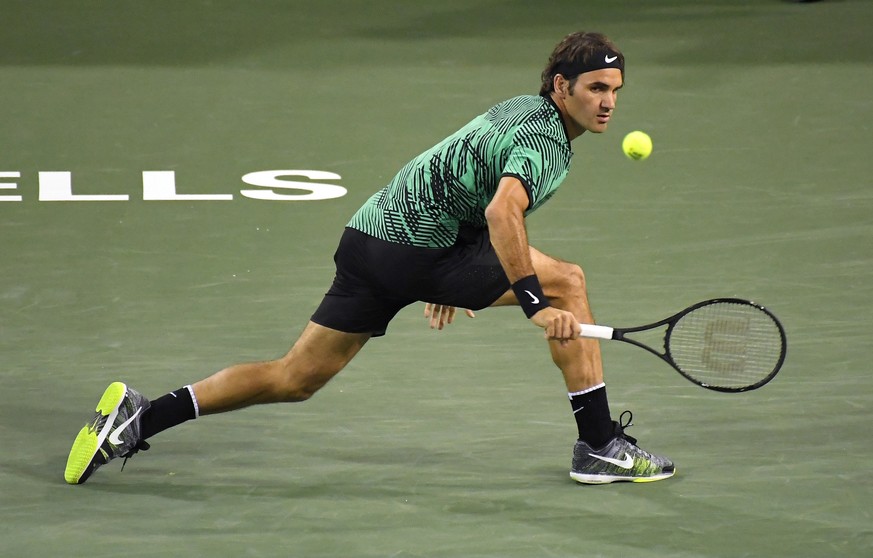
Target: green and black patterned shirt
[(451, 184)]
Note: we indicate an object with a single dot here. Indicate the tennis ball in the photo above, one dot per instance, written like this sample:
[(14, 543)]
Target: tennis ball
[(637, 145)]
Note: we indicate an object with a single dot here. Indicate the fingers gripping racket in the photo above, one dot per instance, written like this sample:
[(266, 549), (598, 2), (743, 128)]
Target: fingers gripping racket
[(723, 344)]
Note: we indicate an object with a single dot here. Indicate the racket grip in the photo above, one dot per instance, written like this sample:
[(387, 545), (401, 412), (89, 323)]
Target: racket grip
[(595, 331)]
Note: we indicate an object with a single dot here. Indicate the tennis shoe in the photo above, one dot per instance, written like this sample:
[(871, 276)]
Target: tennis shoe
[(115, 431), (620, 460)]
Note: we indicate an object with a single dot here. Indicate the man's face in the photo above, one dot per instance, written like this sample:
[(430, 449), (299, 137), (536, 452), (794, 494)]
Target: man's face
[(591, 100)]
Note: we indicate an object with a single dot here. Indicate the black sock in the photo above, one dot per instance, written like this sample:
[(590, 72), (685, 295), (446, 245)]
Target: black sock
[(168, 411), (591, 410)]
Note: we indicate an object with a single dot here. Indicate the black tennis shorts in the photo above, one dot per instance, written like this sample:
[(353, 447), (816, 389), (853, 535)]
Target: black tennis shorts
[(375, 279)]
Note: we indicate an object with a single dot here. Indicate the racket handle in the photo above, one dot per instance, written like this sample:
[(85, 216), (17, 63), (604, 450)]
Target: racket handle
[(596, 331)]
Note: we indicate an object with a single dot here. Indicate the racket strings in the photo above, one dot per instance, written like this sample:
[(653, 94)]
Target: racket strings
[(726, 344)]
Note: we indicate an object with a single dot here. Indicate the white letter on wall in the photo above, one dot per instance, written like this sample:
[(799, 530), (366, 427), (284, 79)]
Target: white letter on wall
[(270, 179), (161, 185), (58, 186), (9, 186)]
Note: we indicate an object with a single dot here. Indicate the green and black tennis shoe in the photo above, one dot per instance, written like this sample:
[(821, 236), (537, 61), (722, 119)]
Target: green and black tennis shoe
[(115, 431), (621, 460)]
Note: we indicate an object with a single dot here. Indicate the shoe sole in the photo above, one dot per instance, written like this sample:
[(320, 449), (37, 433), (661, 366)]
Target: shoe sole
[(88, 441), (607, 479)]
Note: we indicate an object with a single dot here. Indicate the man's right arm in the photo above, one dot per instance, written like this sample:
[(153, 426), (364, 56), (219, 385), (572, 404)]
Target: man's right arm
[(505, 216)]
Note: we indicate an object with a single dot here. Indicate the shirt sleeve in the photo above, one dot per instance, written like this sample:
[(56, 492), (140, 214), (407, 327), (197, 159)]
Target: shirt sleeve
[(540, 164)]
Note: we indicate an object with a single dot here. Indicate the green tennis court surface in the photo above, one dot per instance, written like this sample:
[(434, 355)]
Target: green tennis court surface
[(430, 444)]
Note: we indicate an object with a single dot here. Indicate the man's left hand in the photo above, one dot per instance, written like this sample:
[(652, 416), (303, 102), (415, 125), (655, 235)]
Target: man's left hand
[(441, 315)]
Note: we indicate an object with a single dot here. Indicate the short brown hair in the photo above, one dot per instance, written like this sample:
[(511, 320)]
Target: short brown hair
[(574, 51)]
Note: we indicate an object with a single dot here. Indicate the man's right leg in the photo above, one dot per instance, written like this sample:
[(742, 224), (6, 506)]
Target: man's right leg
[(603, 453), (124, 418)]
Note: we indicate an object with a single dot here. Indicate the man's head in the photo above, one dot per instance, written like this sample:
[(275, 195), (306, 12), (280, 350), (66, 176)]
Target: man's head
[(578, 53), (583, 76)]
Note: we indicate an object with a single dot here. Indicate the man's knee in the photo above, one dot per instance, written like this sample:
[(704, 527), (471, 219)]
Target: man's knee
[(569, 281), (575, 279)]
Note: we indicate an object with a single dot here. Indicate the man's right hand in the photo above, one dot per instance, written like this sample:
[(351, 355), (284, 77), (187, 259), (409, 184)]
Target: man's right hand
[(560, 325)]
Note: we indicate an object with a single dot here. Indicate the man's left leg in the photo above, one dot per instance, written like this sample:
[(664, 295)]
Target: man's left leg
[(124, 419)]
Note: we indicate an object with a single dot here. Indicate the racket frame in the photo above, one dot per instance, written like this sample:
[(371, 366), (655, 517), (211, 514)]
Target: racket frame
[(619, 334)]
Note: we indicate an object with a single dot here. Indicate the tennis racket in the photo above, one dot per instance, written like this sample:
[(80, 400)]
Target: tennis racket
[(723, 344)]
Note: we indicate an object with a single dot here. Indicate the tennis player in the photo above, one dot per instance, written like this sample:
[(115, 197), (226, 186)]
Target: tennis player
[(455, 217)]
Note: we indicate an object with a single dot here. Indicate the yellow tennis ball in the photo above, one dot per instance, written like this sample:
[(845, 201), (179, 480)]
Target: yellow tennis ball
[(637, 145)]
